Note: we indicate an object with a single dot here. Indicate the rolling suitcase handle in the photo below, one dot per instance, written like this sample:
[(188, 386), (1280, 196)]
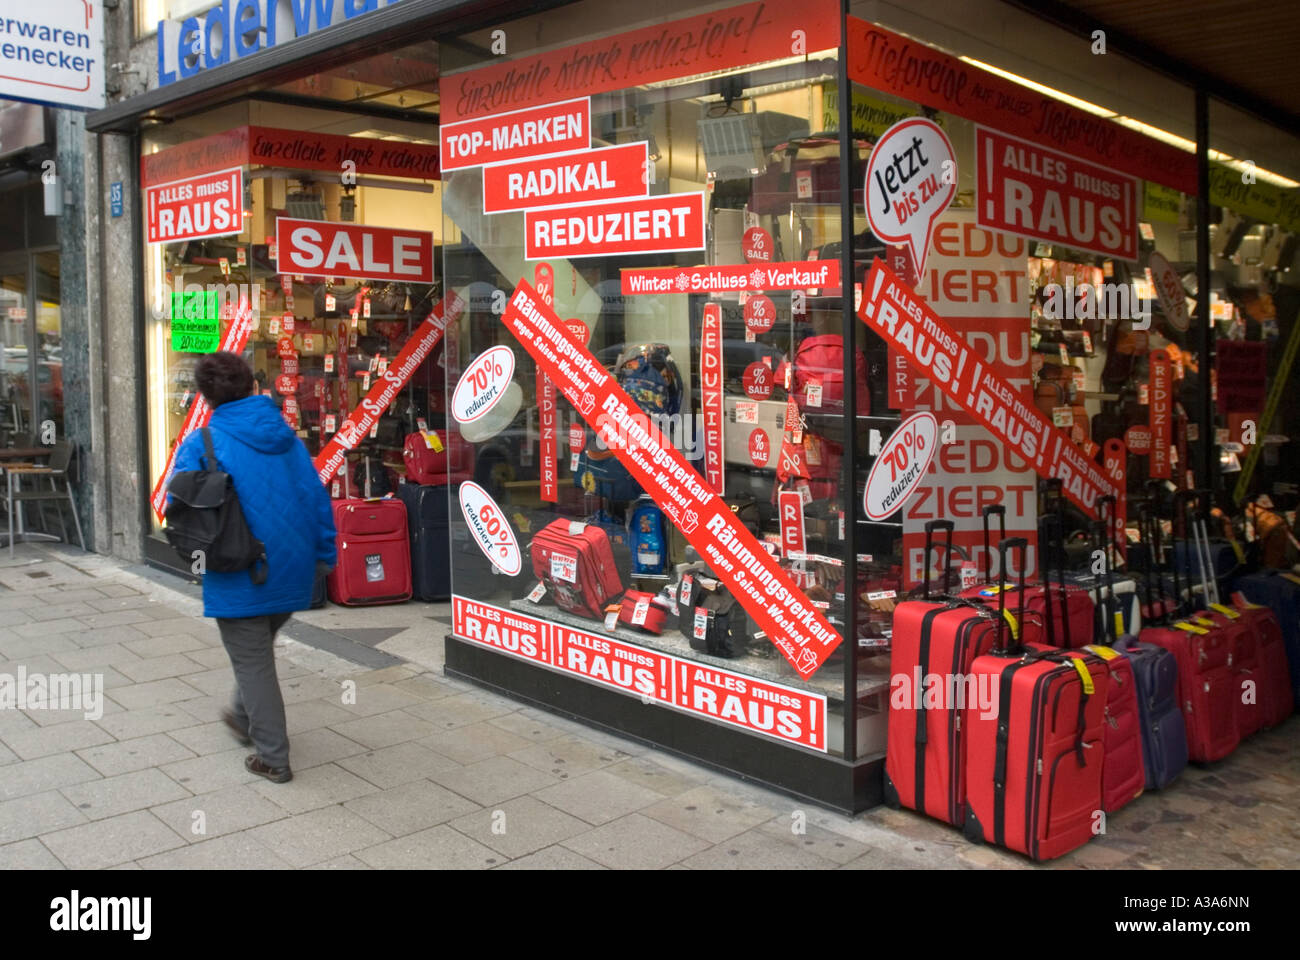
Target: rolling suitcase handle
[(1185, 606), (1106, 508), (1010, 543), (1203, 548), (1185, 502), (930, 527), (1001, 511)]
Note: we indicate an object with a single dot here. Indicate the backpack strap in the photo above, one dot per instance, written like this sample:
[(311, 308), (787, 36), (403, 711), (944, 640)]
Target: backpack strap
[(209, 454)]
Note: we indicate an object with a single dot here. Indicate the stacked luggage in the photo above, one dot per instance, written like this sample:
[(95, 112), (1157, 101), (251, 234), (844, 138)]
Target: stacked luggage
[(1086, 697)]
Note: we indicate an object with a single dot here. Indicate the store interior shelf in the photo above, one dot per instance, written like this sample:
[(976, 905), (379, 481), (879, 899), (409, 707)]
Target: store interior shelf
[(828, 682)]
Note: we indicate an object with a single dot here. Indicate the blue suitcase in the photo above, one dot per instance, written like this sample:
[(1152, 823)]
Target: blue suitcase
[(1280, 592), (1164, 734), (427, 509)]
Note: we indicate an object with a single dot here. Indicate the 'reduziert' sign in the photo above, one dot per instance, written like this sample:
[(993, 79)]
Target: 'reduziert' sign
[(911, 178), (317, 248)]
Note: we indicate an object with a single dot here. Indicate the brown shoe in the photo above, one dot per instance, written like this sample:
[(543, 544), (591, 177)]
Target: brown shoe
[(228, 718), (253, 764)]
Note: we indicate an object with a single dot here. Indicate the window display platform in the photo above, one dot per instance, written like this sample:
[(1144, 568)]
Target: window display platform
[(802, 772)]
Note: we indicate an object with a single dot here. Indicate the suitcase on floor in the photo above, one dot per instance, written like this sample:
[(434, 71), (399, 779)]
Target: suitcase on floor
[(1279, 591), (1164, 734), (1034, 766), (924, 755), (374, 553), (428, 528), (1123, 769), (1273, 692), (1065, 616), (1207, 684), (576, 562), (1155, 673)]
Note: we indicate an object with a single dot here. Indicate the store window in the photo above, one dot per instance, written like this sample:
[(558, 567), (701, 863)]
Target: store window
[(1254, 185), (310, 244), (31, 383), (690, 244)]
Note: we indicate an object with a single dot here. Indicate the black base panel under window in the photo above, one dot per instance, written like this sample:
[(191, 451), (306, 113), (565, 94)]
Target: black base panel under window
[(824, 780)]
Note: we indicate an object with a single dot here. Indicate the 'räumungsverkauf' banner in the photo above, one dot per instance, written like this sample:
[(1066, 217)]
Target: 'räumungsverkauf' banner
[(934, 349), (387, 387), (767, 593)]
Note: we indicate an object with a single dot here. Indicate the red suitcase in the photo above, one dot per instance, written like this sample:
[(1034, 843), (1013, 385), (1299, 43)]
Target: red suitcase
[(444, 457), (1273, 691), (643, 611), (924, 756), (1070, 623), (576, 562), (374, 553), (1034, 768)]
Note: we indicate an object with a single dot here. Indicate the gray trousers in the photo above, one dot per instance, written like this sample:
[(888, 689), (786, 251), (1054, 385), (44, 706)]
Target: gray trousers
[(257, 703)]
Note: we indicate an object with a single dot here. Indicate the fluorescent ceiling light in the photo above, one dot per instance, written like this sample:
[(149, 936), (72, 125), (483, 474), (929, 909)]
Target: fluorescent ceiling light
[(1057, 94), (1156, 133)]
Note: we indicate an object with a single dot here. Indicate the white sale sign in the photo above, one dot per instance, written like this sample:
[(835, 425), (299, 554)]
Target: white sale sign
[(911, 179), (53, 52), (901, 465), (492, 531), (482, 384)]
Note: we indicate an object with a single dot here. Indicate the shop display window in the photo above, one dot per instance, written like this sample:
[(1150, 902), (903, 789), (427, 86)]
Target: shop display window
[(319, 341)]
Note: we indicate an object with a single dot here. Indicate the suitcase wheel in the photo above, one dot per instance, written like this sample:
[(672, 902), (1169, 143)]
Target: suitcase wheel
[(972, 828), (891, 795)]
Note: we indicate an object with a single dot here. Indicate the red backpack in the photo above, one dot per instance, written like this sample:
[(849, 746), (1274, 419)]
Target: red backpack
[(817, 376)]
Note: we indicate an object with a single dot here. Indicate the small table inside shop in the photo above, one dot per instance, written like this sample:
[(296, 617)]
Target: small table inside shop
[(13, 462)]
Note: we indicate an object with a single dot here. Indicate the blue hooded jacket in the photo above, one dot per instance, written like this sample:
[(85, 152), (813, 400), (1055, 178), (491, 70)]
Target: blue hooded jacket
[(284, 502)]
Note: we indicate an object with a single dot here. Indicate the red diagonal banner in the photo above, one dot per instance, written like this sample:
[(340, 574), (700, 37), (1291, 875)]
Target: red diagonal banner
[(387, 386), (934, 349), (766, 592), (200, 413)]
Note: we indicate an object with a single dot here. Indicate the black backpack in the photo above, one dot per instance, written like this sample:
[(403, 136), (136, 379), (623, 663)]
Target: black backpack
[(204, 519)]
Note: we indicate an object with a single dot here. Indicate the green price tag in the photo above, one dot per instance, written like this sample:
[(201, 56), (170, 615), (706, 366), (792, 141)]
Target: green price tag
[(196, 325)]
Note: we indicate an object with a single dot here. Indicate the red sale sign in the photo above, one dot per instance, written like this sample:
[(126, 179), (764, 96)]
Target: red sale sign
[(790, 507), (317, 248), (546, 415), (552, 128), (934, 349), (1030, 190), (205, 206), (739, 700), (760, 314), (588, 176), (798, 275), (765, 590), (663, 224), (711, 404), (1161, 412), (389, 384)]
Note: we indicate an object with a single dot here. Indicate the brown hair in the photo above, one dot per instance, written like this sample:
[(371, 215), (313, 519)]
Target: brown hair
[(222, 377)]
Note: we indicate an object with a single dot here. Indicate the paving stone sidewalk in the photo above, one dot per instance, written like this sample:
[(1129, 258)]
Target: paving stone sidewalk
[(420, 770)]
